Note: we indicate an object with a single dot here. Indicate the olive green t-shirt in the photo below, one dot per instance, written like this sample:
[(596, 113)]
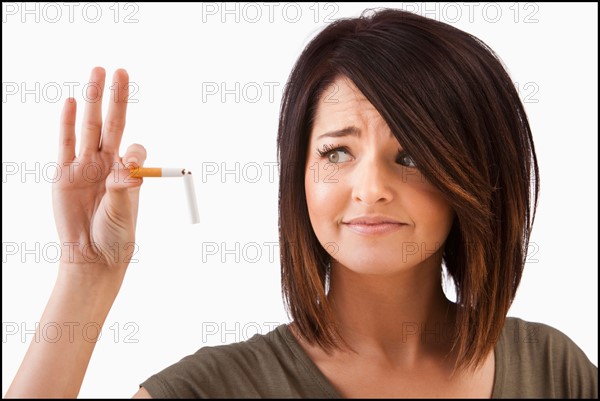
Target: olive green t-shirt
[(531, 360)]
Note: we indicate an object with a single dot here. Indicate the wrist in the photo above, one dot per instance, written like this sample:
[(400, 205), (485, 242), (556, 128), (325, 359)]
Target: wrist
[(90, 280)]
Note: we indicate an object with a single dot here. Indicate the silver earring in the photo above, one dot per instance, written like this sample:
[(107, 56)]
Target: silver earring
[(327, 277)]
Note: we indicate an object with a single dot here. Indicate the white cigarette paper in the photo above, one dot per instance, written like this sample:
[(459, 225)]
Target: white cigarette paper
[(173, 172), (191, 197)]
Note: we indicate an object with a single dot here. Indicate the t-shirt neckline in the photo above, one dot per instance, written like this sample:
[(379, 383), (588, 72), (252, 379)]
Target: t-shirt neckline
[(313, 370)]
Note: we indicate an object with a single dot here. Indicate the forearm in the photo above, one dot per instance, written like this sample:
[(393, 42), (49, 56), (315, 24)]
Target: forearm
[(80, 301)]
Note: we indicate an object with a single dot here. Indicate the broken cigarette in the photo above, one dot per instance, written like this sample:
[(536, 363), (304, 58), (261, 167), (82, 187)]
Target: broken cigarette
[(190, 192), (188, 182)]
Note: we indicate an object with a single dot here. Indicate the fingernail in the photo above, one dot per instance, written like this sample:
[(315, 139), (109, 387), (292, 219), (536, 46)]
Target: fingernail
[(133, 160)]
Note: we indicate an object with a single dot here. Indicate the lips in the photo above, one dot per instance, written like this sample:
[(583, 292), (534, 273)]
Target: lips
[(373, 220), (375, 229), (373, 224)]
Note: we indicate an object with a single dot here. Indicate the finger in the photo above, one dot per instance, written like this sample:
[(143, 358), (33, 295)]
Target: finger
[(125, 190), (117, 198), (66, 137), (135, 156), (91, 128), (134, 198), (112, 130)]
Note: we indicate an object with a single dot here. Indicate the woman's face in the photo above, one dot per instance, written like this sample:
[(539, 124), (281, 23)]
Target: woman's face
[(369, 177)]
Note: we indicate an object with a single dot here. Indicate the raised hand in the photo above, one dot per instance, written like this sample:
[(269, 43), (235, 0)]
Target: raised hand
[(95, 200)]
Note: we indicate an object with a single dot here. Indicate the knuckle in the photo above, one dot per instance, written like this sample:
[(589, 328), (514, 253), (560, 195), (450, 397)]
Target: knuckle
[(114, 126), (68, 142), (92, 125)]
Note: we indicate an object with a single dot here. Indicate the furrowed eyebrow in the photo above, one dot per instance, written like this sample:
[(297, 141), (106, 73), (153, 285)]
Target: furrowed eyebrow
[(342, 132)]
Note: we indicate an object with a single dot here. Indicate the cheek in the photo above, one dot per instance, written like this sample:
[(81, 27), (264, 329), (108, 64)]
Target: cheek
[(432, 213), (324, 201)]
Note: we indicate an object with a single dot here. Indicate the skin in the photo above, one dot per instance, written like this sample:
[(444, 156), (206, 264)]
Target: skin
[(385, 289), (100, 210)]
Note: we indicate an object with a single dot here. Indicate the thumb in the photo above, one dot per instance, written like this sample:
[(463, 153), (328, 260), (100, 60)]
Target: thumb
[(118, 185), (123, 189), (135, 156)]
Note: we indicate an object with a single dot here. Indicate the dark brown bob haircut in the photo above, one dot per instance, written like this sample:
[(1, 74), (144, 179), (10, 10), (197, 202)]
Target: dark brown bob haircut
[(451, 104)]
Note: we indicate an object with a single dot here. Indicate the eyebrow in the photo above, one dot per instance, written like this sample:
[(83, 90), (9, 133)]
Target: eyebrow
[(342, 132)]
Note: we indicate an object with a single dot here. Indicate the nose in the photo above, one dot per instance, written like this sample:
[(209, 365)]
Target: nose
[(371, 183)]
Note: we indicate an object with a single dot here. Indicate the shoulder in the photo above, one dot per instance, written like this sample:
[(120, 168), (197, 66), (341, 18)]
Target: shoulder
[(263, 366), (537, 360)]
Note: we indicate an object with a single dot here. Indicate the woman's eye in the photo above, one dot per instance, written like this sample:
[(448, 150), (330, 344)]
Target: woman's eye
[(406, 160), (333, 154)]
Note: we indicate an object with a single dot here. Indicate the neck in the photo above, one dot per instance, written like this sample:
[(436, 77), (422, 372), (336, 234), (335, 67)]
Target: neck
[(402, 319)]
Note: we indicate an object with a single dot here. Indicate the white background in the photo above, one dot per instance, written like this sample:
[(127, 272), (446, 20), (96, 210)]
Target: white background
[(173, 53)]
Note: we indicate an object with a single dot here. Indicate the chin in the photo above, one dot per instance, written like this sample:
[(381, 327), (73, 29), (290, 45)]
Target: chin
[(367, 264)]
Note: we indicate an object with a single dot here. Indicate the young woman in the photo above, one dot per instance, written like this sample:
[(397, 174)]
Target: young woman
[(403, 148)]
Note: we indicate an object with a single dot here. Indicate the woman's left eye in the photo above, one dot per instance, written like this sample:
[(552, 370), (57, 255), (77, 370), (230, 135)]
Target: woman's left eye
[(406, 160)]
